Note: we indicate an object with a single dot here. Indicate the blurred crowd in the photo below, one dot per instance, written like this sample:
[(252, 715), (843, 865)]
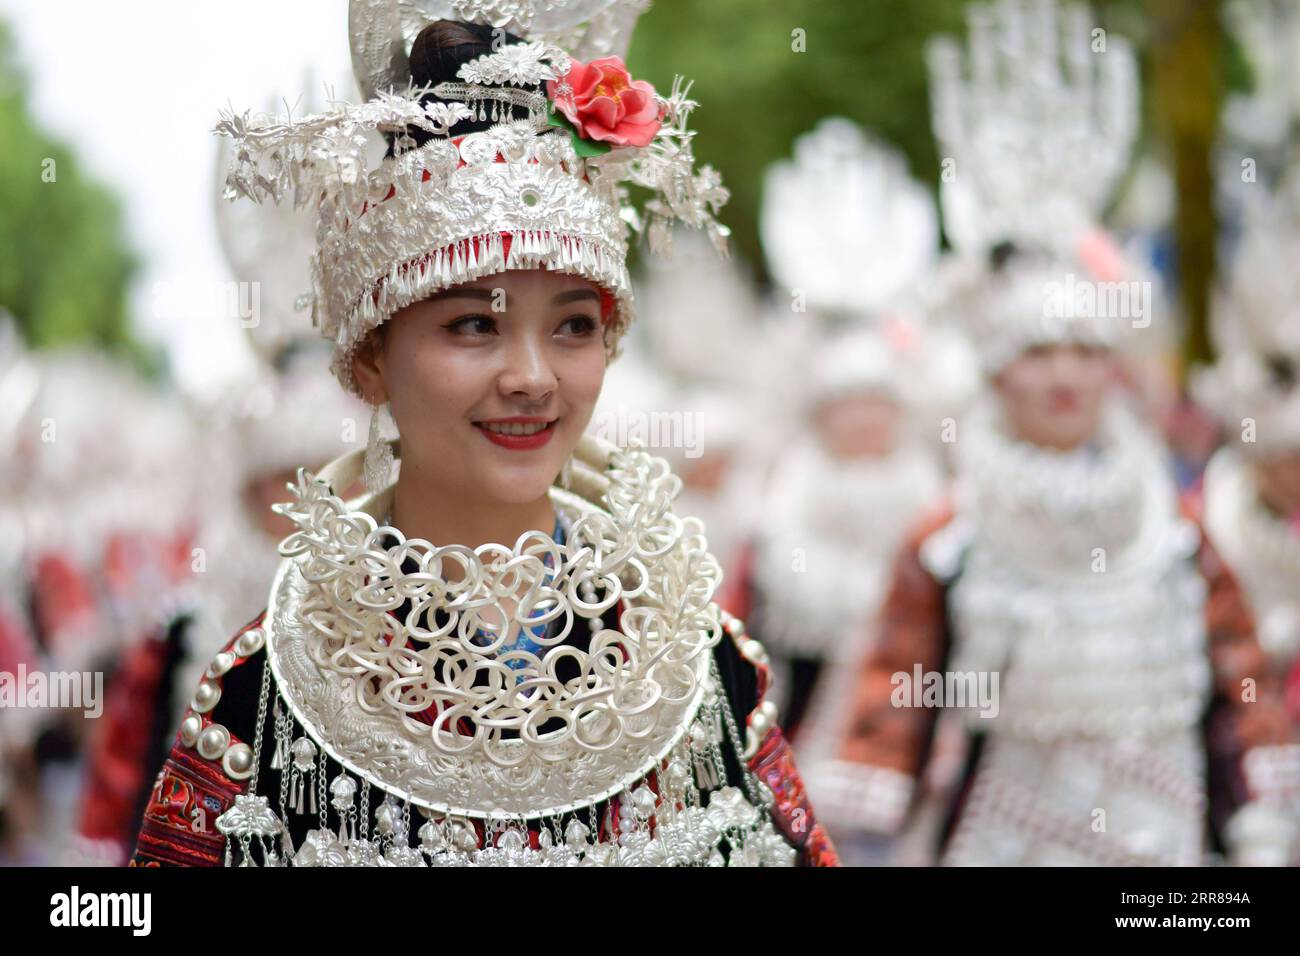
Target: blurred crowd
[(819, 423)]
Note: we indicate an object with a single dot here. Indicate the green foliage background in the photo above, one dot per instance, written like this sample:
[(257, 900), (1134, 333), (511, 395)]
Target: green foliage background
[(862, 60), (64, 263)]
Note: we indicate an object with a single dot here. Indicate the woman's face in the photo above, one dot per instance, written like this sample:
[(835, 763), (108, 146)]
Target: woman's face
[(1053, 394), (1278, 479), (859, 426), (491, 383)]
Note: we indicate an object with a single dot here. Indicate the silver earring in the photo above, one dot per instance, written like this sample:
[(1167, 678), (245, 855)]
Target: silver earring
[(378, 466)]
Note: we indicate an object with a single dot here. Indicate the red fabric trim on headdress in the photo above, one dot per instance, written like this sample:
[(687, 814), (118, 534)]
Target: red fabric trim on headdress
[(607, 300)]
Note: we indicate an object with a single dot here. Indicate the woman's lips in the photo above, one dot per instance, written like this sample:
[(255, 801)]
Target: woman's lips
[(1063, 400), (518, 442)]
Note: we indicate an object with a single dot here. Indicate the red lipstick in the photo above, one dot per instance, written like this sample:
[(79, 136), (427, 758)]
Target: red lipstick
[(518, 442)]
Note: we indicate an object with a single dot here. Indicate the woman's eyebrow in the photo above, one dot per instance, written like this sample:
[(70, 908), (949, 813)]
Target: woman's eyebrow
[(463, 293), (575, 295)]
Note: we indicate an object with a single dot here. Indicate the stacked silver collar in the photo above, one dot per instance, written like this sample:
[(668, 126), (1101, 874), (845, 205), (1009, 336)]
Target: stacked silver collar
[(641, 730)]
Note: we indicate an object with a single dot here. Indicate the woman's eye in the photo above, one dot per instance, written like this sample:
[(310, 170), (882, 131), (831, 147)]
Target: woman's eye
[(578, 325), (473, 325)]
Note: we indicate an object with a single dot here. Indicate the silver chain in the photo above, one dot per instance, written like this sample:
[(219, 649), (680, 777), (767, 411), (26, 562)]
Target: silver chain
[(322, 807), (283, 734), (729, 720), (363, 817), (261, 722)]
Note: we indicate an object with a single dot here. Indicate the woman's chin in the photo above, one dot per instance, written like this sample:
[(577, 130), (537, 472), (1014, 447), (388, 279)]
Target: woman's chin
[(520, 486)]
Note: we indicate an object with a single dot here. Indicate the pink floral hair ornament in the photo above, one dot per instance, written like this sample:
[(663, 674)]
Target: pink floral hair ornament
[(603, 105)]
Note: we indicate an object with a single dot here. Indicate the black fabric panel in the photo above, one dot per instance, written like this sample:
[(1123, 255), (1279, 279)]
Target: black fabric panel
[(740, 683), (160, 732)]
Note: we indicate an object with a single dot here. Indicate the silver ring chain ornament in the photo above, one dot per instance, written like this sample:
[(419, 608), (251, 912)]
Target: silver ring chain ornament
[(648, 702)]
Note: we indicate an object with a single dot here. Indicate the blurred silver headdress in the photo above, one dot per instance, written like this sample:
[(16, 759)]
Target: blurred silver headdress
[(1035, 131), (545, 191), (1252, 385), (844, 223), (1259, 125), (1256, 326)]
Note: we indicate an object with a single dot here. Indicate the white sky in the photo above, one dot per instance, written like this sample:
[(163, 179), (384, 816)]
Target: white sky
[(136, 86)]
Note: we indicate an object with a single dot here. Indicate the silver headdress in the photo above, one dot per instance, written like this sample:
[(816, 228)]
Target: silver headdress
[(696, 309), (1256, 379), (844, 223), (851, 239), (287, 413), (381, 31), (1252, 386), (1258, 125), (1034, 137), (268, 248), (545, 191)]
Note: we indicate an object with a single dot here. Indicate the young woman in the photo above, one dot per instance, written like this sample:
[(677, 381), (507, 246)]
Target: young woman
[(477, 664), (853, 474)]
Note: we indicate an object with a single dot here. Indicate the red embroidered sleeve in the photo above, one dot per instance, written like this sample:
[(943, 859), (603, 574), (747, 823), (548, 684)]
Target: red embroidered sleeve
[(180, 821), (769, 757), (198, 781), (119, 751), (793, 813), (1258, 736), (870, 782)]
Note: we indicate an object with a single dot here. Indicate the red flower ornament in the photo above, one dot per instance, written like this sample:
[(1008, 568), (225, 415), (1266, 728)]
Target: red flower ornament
[(605, 105)]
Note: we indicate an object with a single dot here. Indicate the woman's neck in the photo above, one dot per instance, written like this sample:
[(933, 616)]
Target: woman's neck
[(442, 518)]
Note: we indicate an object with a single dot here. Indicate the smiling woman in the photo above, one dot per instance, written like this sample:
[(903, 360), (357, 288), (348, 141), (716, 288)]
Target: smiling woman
[(513, 365), (476, 663)]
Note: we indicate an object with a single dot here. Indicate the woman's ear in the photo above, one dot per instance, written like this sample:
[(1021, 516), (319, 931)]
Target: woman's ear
[(368, 368)]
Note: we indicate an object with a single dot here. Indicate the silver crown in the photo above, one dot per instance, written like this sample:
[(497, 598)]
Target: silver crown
[(524, 193), (1035, 129), (381, 31), (844, 223), (1256, 325)]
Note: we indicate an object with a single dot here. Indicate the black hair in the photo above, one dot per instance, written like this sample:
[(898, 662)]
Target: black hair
[(438, 53), (1282, 370), (1002, 253)]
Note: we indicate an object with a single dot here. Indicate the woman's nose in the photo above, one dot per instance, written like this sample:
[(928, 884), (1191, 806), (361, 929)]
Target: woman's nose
[(1067, 363), (528, 370)]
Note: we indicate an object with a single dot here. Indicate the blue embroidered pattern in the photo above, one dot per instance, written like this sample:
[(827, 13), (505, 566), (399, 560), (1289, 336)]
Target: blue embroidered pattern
[(526, 640)]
